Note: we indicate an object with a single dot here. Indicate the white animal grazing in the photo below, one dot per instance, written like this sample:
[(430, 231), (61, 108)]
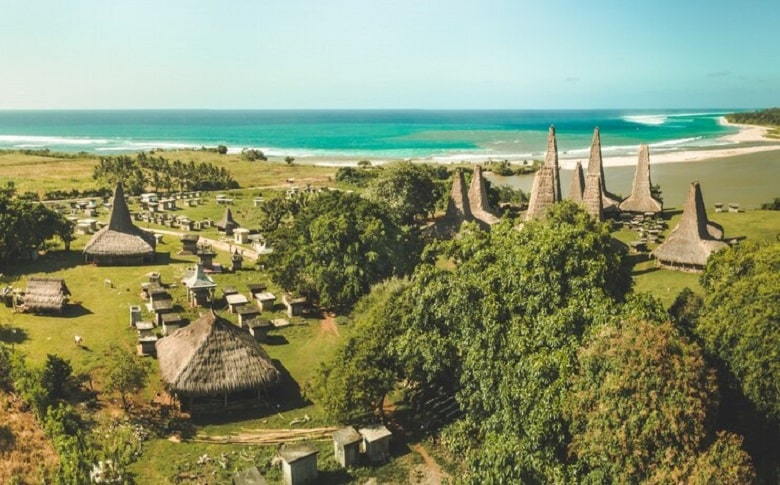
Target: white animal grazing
[(78, 340), (108, 283)]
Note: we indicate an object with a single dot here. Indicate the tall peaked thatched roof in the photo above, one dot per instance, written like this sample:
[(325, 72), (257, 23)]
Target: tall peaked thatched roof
[(227, 221), (690, 243), (45, 295), (212, 356), (120, 237), (577, 186), (458, 208), (596, 167), (551, 161), (592, 197), (641, 199), (477, 199)]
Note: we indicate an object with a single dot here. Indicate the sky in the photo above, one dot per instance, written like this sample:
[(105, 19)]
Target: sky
[(426, 54)]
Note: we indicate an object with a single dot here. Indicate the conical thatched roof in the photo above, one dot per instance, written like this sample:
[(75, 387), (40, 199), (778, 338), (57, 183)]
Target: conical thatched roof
[(577, 186), (478, 201), (212, 356), (458, 208), (551, 160), (641, 199), (45, 295), (198, 279), (546, 189), (690, 243), (592, 197), (596, 167), (227, 221), (120, 237)]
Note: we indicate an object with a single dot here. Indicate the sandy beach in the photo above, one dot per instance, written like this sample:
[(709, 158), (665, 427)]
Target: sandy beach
[(749, 139)]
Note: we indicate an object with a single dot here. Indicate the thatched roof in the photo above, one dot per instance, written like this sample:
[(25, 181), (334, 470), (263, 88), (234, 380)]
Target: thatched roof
[(227, 221), (690, 243), (546, 189), (458, 208), (478, 201), (577, 186), (198, 279), (641, 199), (212, 356), (592, 197), (551, 160), (609, 202), (45, 295), (120, 237)]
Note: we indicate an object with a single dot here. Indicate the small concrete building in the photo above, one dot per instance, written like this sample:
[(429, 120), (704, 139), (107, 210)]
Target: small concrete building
[(259, 328), (171, 322), (255, 289), (294, 305), (265, 301), (246, 313), (376, 442), (346, 446), (241, 235), (135, 314), (189, 244), (299, 464), (235, 300)]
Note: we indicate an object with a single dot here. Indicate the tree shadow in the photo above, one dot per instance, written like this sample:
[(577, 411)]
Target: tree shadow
[(12, 335), (50, 262), (166, 258), (276, 340)]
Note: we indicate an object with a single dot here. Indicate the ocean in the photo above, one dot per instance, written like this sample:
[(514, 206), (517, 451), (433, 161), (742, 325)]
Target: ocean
[(376, 135)]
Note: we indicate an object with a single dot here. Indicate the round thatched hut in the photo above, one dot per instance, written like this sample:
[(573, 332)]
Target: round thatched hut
[(211, 365), (120, 243)]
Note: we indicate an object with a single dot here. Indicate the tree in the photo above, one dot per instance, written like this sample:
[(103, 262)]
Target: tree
[(26, 226), (289, 160), (337, 246), (740, 319), (408, 190), (222, 149), (252, 154), (640, 402), (125, 373), (353, 384), (57, 372)]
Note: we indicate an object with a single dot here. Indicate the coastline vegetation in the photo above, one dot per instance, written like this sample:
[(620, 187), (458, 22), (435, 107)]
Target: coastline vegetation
[(478, 348), (766, 117)]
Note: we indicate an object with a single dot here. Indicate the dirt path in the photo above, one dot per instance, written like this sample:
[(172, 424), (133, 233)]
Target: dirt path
[(329, 325), (429, 473)]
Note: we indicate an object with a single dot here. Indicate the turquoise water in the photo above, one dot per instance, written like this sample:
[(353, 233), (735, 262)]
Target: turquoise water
[(375, 135)]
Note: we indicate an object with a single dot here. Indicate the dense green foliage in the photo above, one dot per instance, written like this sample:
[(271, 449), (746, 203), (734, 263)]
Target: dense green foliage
[(336, 246), (771, 206), (410, 191), (148, 171), (769, 116), (640, 406), (741, 318), (364, 369), (27, 226), (357, 177), (252, 154), (125, 373)]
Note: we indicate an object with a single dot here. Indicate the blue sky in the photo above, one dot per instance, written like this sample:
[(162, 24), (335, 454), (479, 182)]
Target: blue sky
[(389, 54)]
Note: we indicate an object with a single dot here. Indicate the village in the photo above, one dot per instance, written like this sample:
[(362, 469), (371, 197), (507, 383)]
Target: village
[(233, 351)]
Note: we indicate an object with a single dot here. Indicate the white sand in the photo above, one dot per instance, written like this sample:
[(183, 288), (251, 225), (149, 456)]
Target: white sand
[(747, 134)]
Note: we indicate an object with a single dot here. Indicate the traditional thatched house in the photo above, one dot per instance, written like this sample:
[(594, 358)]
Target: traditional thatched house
[(546, 189), (227, 224), (200, 286), (609, 202), (478, 201), (641, 199), (458, 208), (120, 242), (693, 240), (45, 295), (211, 364), (577, 186), (592, 197)]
